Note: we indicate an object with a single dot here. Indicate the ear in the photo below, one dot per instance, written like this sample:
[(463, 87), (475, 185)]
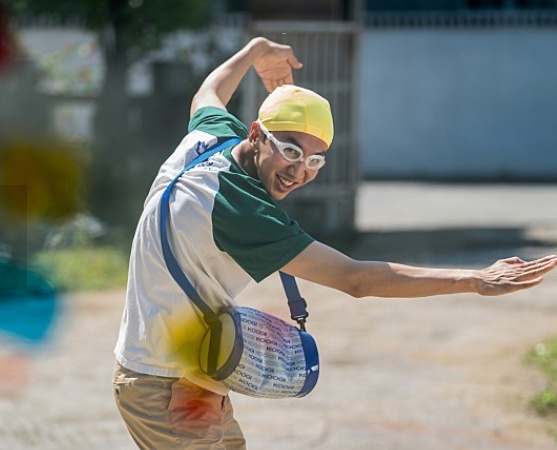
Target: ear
[(254, 131)]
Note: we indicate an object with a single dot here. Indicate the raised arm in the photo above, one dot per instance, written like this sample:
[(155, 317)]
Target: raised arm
[(324, 265), (273, 63)]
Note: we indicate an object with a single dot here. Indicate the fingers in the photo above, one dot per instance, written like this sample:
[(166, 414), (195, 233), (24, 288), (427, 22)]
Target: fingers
[(535, 269), (271, 84), (510, 286), (550, 258), (513, 274), (527, 284), (275, 66), (542, 265), (542, 260), (289, 56), (513, 260), (294, 62), (286, 80), (546, 261)]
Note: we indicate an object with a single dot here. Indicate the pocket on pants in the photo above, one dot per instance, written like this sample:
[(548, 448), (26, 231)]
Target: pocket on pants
[(140, 394)]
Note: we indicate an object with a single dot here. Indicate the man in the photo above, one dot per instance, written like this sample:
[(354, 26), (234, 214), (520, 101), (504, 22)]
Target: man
[(225, 231)]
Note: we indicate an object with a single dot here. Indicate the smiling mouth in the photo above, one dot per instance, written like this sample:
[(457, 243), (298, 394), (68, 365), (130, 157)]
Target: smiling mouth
[(285, 182)]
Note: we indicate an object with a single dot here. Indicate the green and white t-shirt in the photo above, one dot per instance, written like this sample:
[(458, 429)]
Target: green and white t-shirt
[(225, 230)]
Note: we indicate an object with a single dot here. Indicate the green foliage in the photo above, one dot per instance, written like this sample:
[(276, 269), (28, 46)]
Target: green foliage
[(545, 403), (138, 24), (83, 268), (122, 159), (544, 357)]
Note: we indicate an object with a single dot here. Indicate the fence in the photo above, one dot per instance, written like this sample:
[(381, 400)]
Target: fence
[(467, 19)]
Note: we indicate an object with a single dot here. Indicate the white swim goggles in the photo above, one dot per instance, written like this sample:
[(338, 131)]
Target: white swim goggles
[(292, 152)]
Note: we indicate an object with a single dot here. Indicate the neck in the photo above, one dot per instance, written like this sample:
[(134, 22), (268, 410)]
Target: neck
[(244, 155)]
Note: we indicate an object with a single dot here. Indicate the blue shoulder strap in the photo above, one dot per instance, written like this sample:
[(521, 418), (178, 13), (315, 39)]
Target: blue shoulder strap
[(296, 303)]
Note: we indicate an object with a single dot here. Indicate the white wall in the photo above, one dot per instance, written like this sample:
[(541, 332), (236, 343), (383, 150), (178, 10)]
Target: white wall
[(458, 102)]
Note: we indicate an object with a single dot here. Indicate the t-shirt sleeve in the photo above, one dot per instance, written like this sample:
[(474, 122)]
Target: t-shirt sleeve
[(256, 233), (217, 122)]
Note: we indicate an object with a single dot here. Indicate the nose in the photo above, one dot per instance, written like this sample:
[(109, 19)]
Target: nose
[(297, 169)]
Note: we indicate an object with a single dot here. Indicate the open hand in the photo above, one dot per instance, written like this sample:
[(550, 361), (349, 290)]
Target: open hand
[(513, 274), (274, 66)]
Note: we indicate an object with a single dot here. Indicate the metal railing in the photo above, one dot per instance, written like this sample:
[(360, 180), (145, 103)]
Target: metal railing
[(455, 19)]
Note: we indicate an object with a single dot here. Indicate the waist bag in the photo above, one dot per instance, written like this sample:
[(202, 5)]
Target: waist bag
[(247, 350)]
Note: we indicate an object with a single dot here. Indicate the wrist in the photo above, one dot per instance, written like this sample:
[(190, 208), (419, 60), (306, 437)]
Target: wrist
[(470, 281), (257, 47)]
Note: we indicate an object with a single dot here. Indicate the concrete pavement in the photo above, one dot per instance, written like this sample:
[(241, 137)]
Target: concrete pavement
[(455, 223), (445, 373)]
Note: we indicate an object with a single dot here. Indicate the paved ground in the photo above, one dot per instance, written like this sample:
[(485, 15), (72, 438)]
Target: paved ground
[(445, 373)]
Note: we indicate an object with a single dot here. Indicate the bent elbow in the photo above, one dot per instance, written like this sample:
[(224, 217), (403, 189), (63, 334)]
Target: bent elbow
[(351, 280), (354, 288)]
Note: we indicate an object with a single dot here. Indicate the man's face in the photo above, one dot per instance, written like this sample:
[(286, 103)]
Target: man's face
[(278, 175)]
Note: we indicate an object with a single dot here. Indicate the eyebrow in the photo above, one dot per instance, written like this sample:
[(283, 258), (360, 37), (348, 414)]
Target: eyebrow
[(293, 140)]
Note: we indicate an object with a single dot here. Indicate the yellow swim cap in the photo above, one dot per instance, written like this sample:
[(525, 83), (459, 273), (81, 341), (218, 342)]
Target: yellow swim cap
[(292, 108)]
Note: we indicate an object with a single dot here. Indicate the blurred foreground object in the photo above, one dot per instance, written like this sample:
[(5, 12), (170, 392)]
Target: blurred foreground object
[(52, 172), (40, 181), (27, 305), (7, 43)]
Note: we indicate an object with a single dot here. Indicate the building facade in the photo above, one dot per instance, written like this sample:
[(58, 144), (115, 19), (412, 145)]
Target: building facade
[(467, 91)]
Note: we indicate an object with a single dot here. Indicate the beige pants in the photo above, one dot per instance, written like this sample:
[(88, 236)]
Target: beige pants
[(172, 413)]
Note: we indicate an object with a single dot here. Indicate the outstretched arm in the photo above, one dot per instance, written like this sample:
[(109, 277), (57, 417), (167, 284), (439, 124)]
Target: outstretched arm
[(324, 265), (273, 63)]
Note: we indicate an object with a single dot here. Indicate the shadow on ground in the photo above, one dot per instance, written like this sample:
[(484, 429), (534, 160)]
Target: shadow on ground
[(450, 246)]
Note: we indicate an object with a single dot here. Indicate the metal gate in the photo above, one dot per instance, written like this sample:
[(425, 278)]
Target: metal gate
[(328, 51)]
